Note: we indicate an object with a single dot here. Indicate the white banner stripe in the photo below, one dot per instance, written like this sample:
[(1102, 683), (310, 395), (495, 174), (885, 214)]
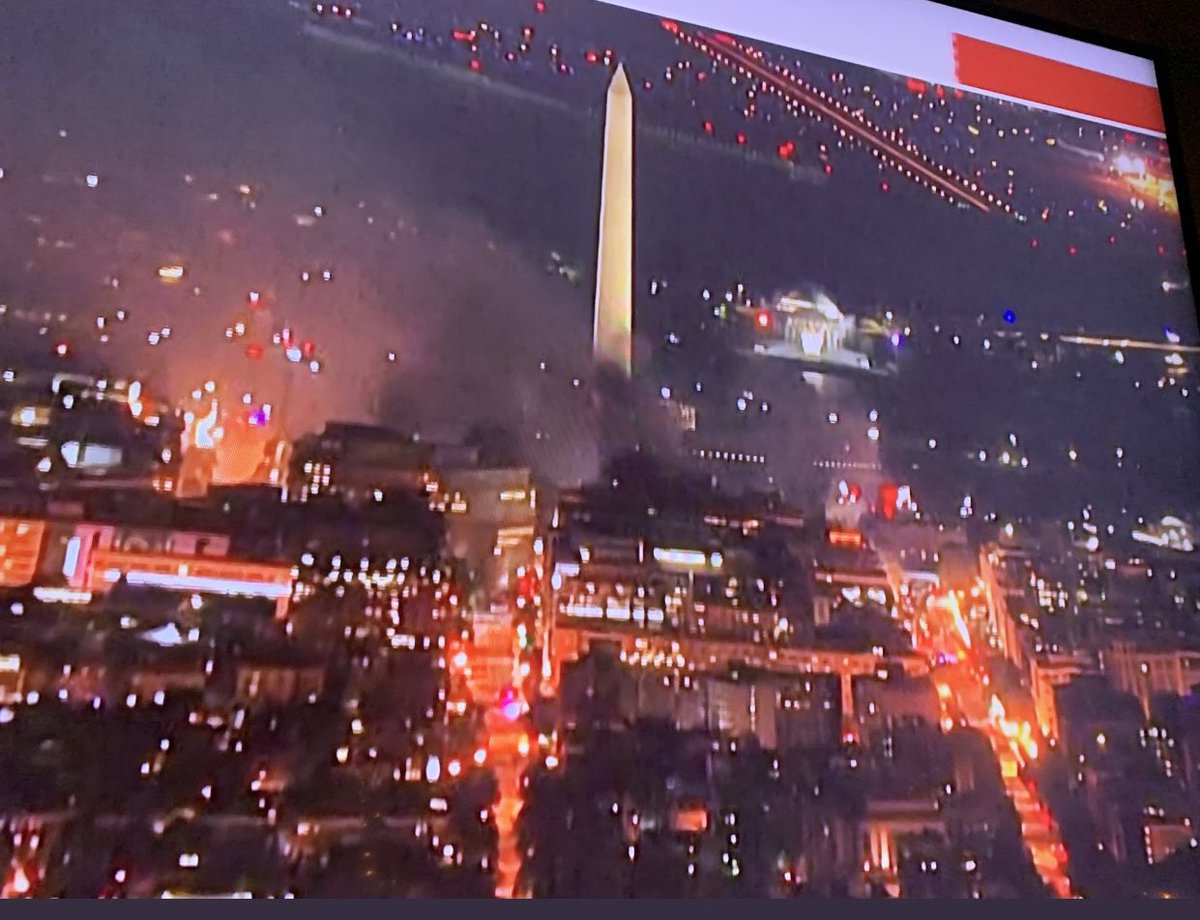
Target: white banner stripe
[(908, 37)]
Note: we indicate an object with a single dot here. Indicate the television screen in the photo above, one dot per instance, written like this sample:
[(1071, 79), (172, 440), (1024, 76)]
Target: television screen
[(433, 372)]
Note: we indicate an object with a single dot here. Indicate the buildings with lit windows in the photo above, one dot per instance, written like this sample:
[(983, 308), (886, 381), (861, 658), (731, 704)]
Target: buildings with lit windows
[(405, 603), (1148, 668), (779, 711), (490, 514), (1048, 672), (278, 677), (705, 574), (1173, 736), (66, 428), (885, 699), (357, 462), (72, 550), (680, 594), (488, 511)]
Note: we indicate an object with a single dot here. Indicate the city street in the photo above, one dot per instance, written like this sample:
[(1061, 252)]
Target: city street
[(966, 692), (493, 663)]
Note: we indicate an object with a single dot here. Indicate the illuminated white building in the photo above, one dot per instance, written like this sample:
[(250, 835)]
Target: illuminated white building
[(813, 323), (1169, 533)]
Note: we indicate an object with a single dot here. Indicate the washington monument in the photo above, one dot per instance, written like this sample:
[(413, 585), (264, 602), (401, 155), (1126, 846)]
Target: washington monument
[(612, 336)]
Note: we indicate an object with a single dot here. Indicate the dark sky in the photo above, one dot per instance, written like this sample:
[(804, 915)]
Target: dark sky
[(443, 201)]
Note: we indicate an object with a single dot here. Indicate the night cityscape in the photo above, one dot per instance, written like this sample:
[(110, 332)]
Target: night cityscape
[(533, 448)]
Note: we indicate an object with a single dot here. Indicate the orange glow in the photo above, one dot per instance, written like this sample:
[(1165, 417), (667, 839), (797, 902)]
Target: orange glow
[(20, 550), (20, 884), (691, 819), (852, 538), (506, 747), (1014, 742), (960, 624), (1159, 190), (243, 452)]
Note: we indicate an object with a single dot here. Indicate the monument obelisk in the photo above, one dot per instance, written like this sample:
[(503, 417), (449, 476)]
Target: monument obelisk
[(612, 335)]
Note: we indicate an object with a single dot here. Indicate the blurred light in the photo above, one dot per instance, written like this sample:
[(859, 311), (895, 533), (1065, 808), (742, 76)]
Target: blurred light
[(211, 585), (21, 885), (684, 557)]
